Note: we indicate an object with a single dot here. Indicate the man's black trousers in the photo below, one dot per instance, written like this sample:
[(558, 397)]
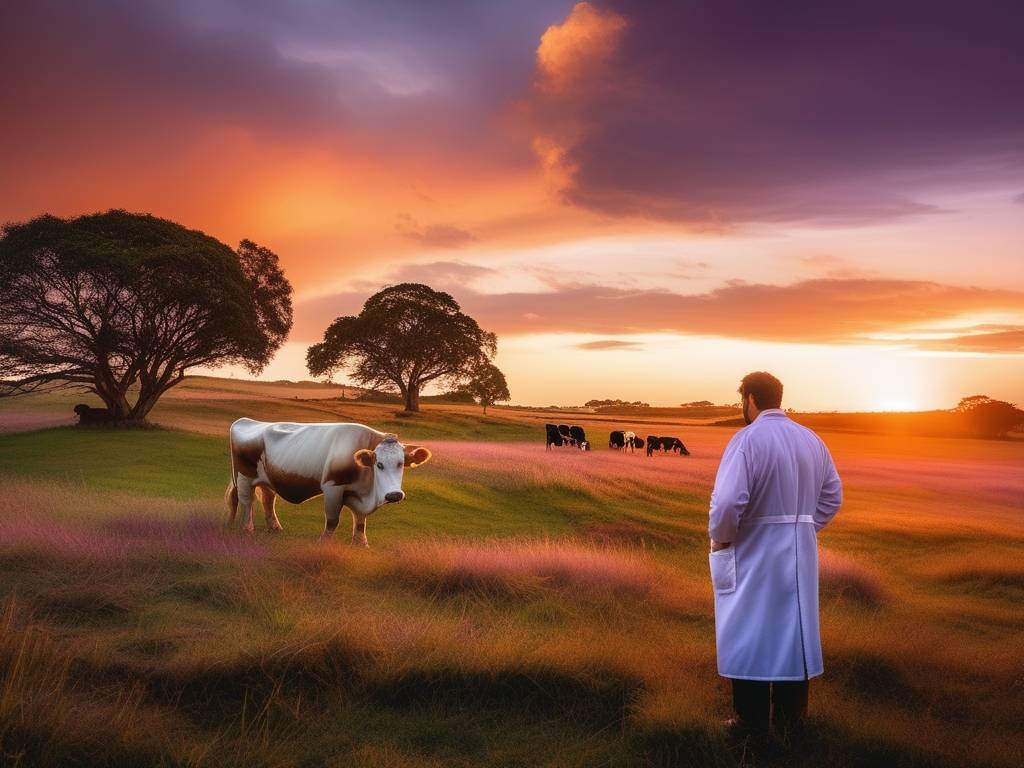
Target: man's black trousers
[(754, 700)]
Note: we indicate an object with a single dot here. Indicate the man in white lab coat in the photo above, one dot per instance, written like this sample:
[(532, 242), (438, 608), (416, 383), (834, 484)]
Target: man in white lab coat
[(776, 488)]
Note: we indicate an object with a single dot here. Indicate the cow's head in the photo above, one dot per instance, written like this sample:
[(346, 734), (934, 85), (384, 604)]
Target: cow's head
[(388, 461)]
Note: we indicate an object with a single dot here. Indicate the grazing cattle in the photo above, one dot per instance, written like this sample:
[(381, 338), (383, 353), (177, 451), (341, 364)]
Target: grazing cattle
[(653, 444), (349, 464), (554, 437), (675, 445), (566, 433), (580, 437), (617, 439), (638, 442), (630, 440), (88, 415)]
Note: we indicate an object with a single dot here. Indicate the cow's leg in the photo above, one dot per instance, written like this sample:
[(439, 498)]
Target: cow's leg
[(268, 499), (246, 497), (333, 500), (231, 499), (359, 530)]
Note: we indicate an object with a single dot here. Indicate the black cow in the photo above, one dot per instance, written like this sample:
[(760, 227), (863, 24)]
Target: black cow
[(675, 445), (617, 439), (554, 437), (579, 436), (88, 415), (638, 442), (653, 444), (563, 430)]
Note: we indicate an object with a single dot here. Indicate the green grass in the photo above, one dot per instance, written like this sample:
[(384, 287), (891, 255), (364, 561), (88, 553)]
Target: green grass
[(171, 464), (146, 462)]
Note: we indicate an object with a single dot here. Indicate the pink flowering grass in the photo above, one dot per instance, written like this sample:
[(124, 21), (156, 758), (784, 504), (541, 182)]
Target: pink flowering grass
[(124, 537), (596, 474), (60, 520), (518, 564)]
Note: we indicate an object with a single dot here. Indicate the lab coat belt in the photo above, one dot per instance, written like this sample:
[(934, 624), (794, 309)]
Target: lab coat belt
[(767, 519)]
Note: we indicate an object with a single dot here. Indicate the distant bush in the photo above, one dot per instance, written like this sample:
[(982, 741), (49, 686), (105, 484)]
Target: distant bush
[(377, 396), (697, 404), (985, 417)]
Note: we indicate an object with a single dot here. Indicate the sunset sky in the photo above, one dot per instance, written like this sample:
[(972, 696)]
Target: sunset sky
[(644, 200)]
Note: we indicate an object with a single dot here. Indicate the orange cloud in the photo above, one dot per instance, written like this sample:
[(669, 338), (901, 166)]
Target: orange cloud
[(837, 311), (609, 345), (987, 339), (577, 46)]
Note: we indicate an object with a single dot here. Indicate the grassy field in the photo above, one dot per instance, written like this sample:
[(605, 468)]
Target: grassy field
[(521, 608)]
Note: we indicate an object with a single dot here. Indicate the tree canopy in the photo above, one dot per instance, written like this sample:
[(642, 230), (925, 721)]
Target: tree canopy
[(123, 304), (986, 417), (405, 337), (487, 385)]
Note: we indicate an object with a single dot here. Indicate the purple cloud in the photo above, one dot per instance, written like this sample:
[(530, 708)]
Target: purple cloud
[(734, 111)]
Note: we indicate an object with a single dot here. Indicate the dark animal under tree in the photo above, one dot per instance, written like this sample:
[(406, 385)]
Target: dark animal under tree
[(88, 415)]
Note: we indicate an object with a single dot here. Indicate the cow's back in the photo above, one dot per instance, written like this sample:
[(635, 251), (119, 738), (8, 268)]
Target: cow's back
[(294, 458)]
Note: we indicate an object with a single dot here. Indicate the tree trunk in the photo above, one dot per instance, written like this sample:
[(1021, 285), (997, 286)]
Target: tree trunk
[(144, 405), (114, 400), (412, 398)]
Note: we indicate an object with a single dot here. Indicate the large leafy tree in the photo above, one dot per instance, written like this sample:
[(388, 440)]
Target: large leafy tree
[(487, 385), (405, 337), (122, 305), (986, 417)]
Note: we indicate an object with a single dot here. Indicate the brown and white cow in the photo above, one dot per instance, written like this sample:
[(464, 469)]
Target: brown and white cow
[(352, 465)]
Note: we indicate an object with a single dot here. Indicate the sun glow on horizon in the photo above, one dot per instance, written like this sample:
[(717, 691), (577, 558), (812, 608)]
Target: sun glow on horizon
[(898, 406)]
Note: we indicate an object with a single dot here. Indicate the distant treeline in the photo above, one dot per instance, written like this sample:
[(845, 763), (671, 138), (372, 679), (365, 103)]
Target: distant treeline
[(376, 396), (610, 403), (687, 412), (977, 416)]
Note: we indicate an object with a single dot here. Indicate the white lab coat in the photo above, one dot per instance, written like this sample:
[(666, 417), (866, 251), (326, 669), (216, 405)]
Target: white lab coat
[(776, 488)]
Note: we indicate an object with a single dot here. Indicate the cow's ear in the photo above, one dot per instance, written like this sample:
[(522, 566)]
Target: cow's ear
[(416, 455), (364, 458)]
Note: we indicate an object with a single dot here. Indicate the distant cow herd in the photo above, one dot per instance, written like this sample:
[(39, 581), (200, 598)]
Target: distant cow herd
[(561, 435), (630, 441)]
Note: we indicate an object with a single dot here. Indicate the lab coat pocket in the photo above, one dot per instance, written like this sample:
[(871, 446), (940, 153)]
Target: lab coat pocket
[(723, 570)]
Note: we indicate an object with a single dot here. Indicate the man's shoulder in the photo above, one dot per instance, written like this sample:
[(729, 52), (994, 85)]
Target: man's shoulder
[(762, 429), (812, 438), (738, 438)]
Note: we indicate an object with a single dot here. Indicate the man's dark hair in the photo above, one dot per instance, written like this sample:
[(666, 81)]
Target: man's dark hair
[(766, 389)]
